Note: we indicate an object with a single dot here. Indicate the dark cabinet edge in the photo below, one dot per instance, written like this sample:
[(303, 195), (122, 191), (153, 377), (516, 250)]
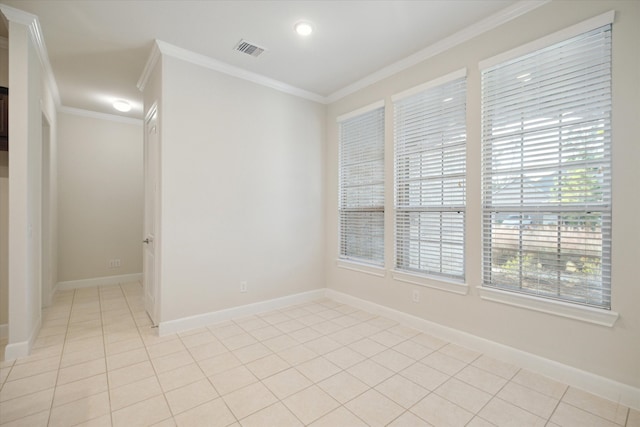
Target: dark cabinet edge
[(4, 118)]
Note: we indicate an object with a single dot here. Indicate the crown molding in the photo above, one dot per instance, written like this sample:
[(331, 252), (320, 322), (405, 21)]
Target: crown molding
[(43, 54), (222, 67), (162, 48), (101, 116), (154, 56), (16, 15), (35, 31), (443, 45)]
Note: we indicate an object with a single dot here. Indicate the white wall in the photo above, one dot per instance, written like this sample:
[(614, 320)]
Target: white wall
[(100, 197), (34, 189), (24, 304), (610, 352), (241, 190), (48, 125), (30, 98)]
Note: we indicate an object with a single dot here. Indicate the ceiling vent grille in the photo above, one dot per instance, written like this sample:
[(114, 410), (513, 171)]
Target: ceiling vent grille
[(249, 48)]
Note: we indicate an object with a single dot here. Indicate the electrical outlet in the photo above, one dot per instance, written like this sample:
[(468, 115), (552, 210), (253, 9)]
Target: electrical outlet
[(415, 297), (114, 263), (243, 286)]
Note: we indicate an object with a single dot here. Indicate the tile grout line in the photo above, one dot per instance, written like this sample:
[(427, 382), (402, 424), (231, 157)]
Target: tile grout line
[(370, 358), (317, 384), (104, 343), (150, 362), (313, 383), (557, 405), (81, 379), (591, 413), (548, 418), (495, 395), (260, 380), (10, 368), (450, 376), (433, 392), (205, 375), (64, 343)]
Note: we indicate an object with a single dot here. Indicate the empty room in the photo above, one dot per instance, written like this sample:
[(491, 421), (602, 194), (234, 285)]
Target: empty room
[(319, 213)]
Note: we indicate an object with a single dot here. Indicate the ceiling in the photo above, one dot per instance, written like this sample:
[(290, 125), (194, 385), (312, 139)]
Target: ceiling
[(98, 49)]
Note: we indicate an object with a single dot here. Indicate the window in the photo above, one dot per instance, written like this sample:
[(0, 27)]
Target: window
[(361, 192), (546, 138), (430, 156)]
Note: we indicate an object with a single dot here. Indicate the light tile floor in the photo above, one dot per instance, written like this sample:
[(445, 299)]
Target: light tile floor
[(98, 362)]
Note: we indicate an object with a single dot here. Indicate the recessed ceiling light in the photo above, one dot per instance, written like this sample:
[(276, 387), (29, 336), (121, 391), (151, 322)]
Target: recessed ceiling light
[(121, 105), (303, 28)]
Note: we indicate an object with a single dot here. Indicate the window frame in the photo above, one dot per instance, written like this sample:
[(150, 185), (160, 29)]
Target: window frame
[(346, 260), (602, 315), (416, 101)]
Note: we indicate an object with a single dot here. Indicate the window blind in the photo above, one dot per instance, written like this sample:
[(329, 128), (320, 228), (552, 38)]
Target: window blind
[(430, 156), (361, 187), (546, 139)]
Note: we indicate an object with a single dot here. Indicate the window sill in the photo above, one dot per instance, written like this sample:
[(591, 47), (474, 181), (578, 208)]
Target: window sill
[(558, 308), (361, 267), (431, 282)]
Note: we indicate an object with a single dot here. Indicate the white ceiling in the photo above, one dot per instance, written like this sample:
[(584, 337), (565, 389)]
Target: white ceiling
[(98, 49)]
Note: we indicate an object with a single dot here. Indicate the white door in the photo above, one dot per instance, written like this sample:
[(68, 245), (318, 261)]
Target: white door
[(151, 157)]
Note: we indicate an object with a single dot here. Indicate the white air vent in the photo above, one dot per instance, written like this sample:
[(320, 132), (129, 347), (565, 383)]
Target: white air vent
[(249, 48)]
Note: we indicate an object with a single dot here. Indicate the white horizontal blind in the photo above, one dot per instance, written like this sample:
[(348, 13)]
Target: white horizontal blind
[(430, 156), (546, 137), (361, 192)]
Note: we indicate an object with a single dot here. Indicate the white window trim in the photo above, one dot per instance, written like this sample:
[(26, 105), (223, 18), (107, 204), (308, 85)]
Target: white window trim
[(582, 313), (557, 37), (347, 263), (505, 294), (360, 111), (433, 282), (425, 279), (454, 75), (361, 267)]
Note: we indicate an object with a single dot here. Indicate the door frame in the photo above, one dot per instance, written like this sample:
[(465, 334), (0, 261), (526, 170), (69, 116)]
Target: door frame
[(156, 309), (47, 217)]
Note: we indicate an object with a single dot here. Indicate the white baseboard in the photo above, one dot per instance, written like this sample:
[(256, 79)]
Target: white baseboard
[(23, 348), (4, 331), (609, 389), (97, 281), (201, 320)]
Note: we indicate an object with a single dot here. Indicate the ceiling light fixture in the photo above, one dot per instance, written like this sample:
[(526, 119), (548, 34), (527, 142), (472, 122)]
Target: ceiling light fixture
[(303, 28), (122, 106)]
